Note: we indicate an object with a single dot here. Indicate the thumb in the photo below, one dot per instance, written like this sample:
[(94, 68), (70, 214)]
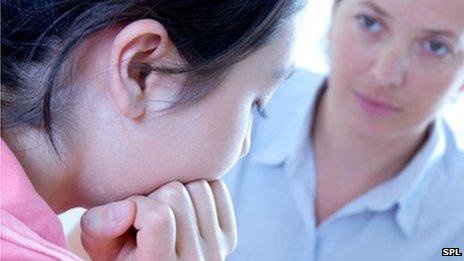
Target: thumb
[(103, 226)]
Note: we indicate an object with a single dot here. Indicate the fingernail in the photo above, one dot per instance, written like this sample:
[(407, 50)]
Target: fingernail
[(118, 211)]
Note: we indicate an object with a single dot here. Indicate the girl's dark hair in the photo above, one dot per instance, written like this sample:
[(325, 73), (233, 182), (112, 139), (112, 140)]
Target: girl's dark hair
[(39, 37)]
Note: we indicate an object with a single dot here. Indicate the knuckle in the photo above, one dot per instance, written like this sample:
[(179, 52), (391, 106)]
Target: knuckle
[(197, 186), (174, 185), (160, 217), (174, 192), (217, 182)]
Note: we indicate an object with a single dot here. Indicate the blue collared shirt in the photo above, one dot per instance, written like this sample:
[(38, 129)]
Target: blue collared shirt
[(412, 216)]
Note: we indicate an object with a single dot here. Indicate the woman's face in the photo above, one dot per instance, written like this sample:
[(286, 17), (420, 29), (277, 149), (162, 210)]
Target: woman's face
[(394, 64), (199, 141)]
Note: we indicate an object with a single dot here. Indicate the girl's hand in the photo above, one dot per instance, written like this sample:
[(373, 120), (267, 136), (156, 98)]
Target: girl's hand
[(175, 222)]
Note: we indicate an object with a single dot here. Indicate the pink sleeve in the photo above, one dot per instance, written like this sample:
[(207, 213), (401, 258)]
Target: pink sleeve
[(18, 242)]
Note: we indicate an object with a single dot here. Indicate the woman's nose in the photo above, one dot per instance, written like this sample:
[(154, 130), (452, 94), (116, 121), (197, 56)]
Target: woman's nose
[(390, 65)]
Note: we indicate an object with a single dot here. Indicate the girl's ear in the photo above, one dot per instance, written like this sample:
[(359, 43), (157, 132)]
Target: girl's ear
[(136, 48)]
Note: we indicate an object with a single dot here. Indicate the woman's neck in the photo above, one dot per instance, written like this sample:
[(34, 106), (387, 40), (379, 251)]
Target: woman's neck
[(47, 173), (349, 164)]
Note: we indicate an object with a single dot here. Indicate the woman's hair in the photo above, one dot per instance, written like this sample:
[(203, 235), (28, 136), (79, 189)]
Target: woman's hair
[(39, 37)]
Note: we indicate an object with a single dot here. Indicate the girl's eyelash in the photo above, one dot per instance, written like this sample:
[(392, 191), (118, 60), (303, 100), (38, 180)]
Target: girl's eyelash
[(260, 110)]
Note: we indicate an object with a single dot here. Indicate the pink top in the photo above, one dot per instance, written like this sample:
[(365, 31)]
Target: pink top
[(30, 230)]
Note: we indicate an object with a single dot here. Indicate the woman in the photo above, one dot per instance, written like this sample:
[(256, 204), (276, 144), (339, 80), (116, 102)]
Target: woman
[(104, 100), (361, 166)]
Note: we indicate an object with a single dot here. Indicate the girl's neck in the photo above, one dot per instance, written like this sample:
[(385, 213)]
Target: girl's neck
[(47, 173)]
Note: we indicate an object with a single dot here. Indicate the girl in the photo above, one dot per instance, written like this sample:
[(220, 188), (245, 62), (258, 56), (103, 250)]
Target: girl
[(104, 100), (360, 164)]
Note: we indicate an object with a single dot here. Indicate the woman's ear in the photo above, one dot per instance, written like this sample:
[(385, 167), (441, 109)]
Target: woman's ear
[(137, 47)]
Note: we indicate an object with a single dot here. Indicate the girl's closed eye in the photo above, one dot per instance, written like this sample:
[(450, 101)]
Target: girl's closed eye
[(258, 105), (260, 110)]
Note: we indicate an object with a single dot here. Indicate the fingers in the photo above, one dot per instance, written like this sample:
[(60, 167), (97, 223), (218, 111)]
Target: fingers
[(106, 231), (205, 209), (176, 196), (156, 236), (103, 228), (176, 222), (204, 218), (225, 213)]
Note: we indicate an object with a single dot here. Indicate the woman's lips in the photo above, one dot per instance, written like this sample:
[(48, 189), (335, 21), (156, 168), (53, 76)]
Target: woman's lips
[(375, 107)]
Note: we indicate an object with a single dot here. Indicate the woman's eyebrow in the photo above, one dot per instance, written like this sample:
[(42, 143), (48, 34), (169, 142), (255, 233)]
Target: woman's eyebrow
[(376, 8), (384, 13), (441, 32)]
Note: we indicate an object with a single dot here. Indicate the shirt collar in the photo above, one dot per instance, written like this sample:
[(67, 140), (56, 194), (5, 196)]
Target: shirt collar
[(406, 190), (416, 177)]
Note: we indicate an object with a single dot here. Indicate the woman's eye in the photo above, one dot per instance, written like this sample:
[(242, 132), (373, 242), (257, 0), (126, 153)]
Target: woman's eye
[(258, 107), (437, 48), (368, 23)]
